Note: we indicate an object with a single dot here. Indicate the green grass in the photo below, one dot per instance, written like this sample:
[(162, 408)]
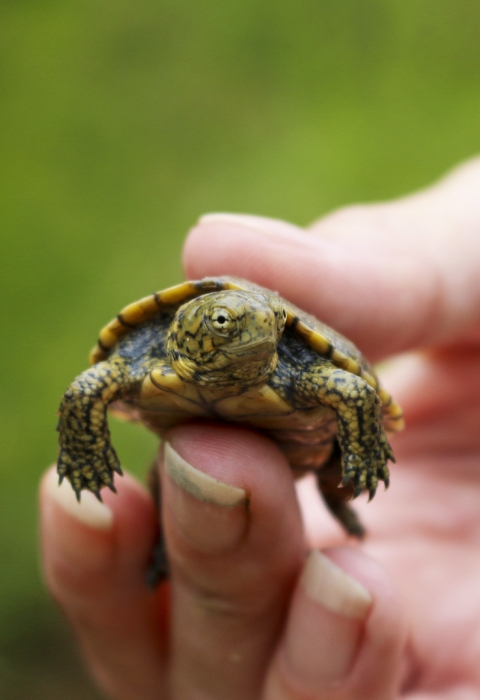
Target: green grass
[(120, 123)]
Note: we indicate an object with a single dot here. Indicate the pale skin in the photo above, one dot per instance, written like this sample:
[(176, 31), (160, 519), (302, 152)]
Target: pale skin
[(239, 620)]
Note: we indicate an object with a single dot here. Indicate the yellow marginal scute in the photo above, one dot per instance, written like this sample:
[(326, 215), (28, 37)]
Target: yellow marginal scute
[(139, 311), (110, 334), (177, 294)]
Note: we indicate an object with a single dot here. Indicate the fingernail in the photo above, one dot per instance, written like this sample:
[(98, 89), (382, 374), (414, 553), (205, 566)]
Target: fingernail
[(325, 624), (210, 513), (275, 228), (327, 584), (201, 485), (237, 219), (89, 511)]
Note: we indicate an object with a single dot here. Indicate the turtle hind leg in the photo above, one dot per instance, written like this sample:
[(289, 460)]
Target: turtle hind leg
[(345, 514), (336, 498), (158, 569)]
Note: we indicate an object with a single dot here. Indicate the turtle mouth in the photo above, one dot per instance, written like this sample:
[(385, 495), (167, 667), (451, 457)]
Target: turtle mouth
[(261, 349), (238, 366)]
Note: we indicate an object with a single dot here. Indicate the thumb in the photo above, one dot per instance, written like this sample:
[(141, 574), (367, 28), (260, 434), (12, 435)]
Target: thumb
[(345, 633), (392, 276)]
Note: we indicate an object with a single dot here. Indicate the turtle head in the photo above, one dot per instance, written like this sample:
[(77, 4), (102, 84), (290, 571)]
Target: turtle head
[(226, 338)]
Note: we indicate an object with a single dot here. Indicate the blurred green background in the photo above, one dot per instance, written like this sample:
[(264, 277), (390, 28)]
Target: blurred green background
[(121, 123)]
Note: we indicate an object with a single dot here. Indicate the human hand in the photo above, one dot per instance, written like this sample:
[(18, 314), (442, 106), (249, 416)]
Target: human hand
[(240, 619)]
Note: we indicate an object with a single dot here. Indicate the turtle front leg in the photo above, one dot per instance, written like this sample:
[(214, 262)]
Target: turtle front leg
[(87, 458), (363, 443)]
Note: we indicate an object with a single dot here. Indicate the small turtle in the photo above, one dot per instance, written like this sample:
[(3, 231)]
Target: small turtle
[(226, 349)]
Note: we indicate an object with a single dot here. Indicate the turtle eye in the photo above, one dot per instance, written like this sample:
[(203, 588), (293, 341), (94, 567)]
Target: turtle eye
[(222, 320)]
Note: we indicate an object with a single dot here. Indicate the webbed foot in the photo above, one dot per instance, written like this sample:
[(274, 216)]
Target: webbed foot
[(364, 469), (88, 470)]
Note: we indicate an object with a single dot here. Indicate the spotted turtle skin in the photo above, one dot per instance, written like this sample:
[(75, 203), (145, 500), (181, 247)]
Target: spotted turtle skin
[(226, 349)]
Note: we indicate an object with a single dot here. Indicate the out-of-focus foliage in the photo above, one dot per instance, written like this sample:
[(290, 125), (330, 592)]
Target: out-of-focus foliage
[(120, 123)]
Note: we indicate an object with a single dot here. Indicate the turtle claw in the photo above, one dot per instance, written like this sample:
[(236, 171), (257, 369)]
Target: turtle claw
[(389, 452), (118, 469), (357, 492), (88, 470), (61, 477), (364, 470), (353, 479)]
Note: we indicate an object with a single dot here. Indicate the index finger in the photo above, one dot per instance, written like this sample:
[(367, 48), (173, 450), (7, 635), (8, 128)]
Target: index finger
[(235, 543), (392, 276)]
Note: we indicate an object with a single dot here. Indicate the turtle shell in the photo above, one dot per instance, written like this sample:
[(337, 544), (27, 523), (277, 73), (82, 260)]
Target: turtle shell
[(322, 339), (171, 357)]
